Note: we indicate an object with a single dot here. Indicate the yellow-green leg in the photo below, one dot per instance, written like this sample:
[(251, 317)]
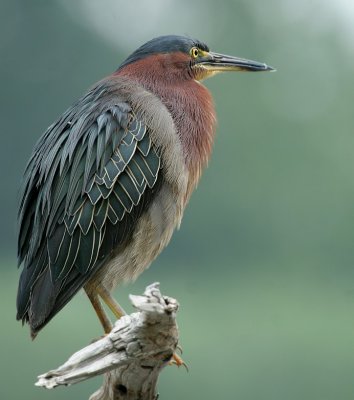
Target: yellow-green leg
[(101, 313), (111, 302)]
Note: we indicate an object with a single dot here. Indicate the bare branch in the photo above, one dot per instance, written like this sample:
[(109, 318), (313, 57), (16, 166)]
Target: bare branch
[(132, 355)]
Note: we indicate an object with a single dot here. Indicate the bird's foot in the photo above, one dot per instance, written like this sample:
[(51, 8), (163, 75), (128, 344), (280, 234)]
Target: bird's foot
[(177, 360)]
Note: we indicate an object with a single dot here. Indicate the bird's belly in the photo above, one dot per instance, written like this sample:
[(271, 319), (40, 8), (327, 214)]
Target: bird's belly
[(152, 233)]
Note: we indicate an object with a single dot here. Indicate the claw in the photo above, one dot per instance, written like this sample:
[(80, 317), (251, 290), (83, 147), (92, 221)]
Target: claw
[(177, 360)]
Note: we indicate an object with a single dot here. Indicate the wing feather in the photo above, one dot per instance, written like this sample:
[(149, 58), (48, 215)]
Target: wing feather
[(87, 183)]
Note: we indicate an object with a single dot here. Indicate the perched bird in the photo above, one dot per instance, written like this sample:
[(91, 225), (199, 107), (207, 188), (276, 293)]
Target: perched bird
[(108, 182)]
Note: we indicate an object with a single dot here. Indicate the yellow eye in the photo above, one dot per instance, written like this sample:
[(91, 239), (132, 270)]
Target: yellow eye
[(194, 52)]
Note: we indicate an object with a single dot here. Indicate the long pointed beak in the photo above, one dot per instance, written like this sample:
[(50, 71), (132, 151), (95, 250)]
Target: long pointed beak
[(215, 62)]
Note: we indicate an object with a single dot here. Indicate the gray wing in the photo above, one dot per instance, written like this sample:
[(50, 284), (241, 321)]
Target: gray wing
[(86, 185)]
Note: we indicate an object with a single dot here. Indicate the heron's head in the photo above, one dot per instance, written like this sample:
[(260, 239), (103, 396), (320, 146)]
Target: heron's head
[(171, 56)]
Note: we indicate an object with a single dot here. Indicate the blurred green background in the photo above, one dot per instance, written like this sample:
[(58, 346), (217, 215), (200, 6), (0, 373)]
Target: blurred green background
[(263, 264)]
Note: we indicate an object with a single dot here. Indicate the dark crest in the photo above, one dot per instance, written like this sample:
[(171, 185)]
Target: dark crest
[(164, 44)]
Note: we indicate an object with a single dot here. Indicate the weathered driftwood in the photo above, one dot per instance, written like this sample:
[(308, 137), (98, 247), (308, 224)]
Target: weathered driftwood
[(132, 355)]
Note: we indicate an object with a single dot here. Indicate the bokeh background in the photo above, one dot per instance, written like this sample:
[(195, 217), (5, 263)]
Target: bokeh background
[(263, 265)]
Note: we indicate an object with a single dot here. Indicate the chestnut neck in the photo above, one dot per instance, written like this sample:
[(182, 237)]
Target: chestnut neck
[(170, 77)]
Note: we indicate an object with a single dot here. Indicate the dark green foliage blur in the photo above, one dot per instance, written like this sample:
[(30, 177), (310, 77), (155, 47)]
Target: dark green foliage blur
[(263, 265)]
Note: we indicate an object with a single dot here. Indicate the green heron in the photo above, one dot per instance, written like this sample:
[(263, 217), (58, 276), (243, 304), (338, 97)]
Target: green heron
[(108, 182)]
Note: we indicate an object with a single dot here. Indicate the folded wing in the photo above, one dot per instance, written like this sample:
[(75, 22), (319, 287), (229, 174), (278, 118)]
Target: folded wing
[(90, 178)]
